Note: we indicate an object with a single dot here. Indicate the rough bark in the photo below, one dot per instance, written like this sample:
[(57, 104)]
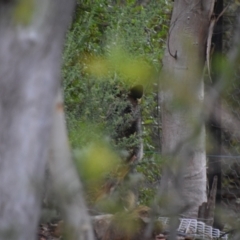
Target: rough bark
[(182, 93), (206, 210), (30, 61)]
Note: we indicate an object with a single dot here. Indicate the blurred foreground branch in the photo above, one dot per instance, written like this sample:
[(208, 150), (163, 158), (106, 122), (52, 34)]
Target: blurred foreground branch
[(31, 42), (65, 181)]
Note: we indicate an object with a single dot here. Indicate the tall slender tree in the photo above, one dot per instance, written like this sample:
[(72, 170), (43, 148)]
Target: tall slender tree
[(182, 95), (31, 41)]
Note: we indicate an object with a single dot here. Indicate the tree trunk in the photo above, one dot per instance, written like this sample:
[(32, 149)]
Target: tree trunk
[(182, 94), (64, 179), (31, 42)]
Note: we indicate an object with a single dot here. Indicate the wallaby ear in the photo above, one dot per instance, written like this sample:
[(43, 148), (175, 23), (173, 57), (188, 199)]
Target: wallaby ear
[(136, 91)]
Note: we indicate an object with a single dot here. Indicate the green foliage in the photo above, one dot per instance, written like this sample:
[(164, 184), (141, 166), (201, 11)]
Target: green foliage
[(122, 44), (150, 167)]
